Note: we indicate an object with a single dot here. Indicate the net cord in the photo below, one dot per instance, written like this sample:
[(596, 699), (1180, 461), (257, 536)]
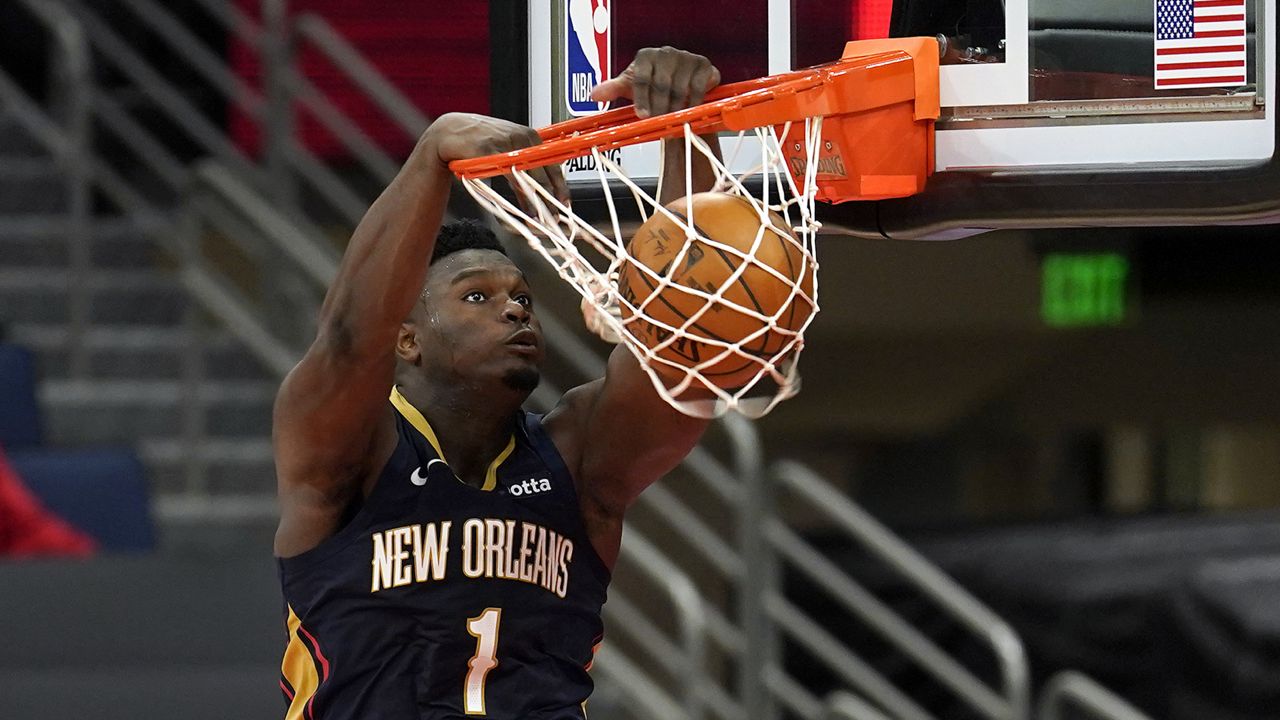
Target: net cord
[(555, 232)]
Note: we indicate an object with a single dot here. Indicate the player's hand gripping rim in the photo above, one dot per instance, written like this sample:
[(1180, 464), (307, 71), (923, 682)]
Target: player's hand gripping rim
[(661, 80), (462, 136)]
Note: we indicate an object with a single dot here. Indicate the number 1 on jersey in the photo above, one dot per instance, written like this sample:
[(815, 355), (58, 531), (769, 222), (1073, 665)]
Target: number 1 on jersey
[(484, 628)]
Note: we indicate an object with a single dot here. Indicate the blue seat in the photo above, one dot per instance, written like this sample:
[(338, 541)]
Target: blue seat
[(19, 414), (102, 492)]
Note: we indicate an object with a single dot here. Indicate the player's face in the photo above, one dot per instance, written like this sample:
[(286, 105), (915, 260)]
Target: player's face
[(476, 321)]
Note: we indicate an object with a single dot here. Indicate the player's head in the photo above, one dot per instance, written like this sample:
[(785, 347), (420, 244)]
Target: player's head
[(473, 322), (465, 234)]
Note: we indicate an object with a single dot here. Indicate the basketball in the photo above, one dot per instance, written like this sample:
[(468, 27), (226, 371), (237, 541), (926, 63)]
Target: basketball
[(731, 223)]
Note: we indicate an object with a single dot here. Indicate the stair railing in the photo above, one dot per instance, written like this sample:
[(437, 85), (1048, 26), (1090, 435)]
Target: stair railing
[(1011, 701), (1071, 688), (843, 705), (69, 89)]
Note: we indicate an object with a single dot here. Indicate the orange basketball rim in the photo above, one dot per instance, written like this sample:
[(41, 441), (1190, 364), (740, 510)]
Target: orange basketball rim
[(878, 104)]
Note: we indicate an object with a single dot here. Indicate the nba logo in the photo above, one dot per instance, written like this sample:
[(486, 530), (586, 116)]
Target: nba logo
[(588, 47)]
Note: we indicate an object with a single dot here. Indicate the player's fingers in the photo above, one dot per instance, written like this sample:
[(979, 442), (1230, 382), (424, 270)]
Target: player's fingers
[(556, 183), (662, 88), (680, 95), (610, 90), (642, 83), (548, 176), (522, 199), (705, 77), (551, 178)]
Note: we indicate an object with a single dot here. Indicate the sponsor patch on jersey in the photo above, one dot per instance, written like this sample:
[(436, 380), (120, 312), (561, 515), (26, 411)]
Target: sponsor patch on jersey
[(532, 486)]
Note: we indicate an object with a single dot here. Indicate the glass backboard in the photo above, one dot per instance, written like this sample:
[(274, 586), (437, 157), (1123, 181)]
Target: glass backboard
[(1032, 85)]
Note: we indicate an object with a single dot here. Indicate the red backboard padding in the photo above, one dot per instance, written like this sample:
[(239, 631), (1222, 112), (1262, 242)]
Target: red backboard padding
[(436, 53), (732, 33)]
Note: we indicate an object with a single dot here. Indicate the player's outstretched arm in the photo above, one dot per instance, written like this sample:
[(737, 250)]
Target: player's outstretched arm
[(332, 430), (617, 434)]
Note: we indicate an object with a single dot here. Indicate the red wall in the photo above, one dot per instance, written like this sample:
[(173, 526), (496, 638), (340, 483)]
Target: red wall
[(437, 53)]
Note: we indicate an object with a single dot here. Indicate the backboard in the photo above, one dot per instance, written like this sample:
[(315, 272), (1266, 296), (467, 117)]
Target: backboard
[(1026, 85)]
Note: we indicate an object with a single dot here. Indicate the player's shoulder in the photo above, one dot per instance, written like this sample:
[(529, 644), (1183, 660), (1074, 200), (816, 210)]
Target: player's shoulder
[(568, 423)]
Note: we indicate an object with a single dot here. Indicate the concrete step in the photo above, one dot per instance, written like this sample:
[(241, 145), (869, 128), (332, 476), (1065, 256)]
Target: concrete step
[(137, 352), (30, 168), (101, 412), (54, 226), (233, 467), (223, 526), (32, 184), (15, 141), (45, 250), (116, 297)]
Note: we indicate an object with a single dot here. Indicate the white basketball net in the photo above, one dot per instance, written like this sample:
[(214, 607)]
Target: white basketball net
[(560, 236)]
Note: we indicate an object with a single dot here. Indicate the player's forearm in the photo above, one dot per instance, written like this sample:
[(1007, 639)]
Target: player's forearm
[(637, 437), (385, 264), (701, 175)]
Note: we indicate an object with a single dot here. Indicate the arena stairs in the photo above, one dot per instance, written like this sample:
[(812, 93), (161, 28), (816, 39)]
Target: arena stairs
[(111, 371)]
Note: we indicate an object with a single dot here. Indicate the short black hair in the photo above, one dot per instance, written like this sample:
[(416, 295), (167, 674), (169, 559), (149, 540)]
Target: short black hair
[(465, 234)]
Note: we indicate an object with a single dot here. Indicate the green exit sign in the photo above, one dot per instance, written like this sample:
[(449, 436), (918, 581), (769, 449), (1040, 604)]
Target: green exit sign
[(1084, 289)]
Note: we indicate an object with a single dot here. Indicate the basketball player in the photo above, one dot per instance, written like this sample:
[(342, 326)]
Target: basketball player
[(444, 554)]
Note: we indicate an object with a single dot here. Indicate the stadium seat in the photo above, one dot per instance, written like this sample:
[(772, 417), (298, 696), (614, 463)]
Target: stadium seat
[(19, 412), (102, 492)]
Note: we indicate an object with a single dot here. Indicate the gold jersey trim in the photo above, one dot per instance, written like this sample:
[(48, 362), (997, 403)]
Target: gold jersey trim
[(299, 668), (419, 422)]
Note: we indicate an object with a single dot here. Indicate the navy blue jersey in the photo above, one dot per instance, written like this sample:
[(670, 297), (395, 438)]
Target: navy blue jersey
[(443, 601)]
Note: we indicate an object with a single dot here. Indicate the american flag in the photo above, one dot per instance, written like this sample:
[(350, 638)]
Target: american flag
[(1200, 43)]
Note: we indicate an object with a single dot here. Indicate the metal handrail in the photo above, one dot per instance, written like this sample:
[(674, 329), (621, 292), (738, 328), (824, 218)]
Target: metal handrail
[(212, 69), (164, 94), (762, 648), (858, 601), (639, 687), (691, 615), (31, 117), (791, 693), (134, 136), (362, 147), (949, 595), (240, 319), (846, 706), (45, 131), (74, 81), (846, 665), (337, 50), (843, 705), (1070, 686), (317, 261)]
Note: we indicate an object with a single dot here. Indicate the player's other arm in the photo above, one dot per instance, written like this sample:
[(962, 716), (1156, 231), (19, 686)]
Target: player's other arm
[(332, 429), (618, 437), (617, 434)]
